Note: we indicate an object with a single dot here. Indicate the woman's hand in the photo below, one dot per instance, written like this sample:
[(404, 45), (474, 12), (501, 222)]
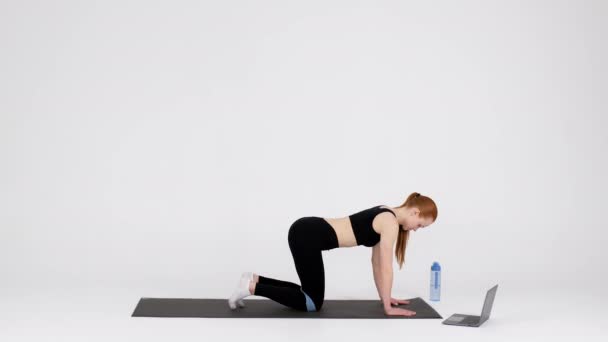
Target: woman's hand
[(395, 301), (398, 312), (391, 311)]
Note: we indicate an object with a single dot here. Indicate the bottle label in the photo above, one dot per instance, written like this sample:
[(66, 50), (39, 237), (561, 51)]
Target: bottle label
[(435, 279)]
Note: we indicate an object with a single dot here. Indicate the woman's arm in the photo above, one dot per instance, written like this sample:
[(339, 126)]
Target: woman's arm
[(376, 269), (381, 279), (382, 261)]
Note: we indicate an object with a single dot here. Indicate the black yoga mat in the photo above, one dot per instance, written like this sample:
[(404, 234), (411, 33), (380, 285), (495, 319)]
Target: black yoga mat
[(265, 308)]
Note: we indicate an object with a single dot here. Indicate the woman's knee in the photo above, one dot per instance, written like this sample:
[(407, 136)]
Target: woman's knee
[(319, 304), (313, 302)]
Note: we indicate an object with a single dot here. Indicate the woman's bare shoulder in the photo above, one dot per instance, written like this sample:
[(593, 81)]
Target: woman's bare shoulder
[(385, 223)]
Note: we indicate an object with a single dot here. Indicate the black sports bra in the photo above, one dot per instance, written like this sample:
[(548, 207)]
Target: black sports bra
[(362, 225)]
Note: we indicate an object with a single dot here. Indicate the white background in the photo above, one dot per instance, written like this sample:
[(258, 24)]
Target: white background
[(159, 149)]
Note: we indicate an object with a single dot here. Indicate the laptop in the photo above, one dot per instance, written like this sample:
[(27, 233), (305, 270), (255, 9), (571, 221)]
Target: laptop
[(475, 321)]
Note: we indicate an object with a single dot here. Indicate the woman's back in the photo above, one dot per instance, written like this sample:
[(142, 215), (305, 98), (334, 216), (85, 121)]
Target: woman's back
[(344, 228)]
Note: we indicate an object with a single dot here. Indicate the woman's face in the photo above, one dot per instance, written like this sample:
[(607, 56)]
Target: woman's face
[(415, 221)]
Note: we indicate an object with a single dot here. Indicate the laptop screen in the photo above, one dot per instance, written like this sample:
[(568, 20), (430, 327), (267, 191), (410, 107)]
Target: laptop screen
[(487, 304)]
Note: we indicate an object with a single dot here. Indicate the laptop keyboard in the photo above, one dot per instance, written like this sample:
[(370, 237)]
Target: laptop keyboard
[(463, 319)]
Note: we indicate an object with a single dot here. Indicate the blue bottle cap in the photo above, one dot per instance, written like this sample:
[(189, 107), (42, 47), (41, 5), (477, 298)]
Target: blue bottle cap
[(436, 266)]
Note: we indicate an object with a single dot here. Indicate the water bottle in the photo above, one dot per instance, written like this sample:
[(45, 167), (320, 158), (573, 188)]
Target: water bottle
[(435, 281)]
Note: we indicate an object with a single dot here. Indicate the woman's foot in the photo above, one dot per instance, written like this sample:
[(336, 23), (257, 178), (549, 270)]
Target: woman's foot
[(252, 277), (243, 289)]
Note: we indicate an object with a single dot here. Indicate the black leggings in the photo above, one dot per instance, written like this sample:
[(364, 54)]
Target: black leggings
[(307, 237)]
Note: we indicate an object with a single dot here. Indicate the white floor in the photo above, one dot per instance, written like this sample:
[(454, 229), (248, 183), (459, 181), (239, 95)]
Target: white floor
[(89, 315)]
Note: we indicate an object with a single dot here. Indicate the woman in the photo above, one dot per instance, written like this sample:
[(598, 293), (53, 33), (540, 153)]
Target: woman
[(377, 227)]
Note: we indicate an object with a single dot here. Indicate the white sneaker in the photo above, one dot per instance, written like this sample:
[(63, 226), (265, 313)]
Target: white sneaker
[(248, 276), (241, 291)]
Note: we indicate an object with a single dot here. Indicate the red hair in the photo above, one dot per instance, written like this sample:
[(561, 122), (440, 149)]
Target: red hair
[(427, 209)]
